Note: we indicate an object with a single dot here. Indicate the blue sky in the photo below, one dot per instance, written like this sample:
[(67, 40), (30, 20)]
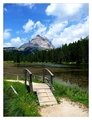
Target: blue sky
[(60, 23)]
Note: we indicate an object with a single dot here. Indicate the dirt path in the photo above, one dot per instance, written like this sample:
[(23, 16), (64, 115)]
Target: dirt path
[(66, 108)]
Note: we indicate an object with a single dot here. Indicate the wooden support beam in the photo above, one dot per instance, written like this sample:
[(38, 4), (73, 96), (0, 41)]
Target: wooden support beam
[(14, 90)]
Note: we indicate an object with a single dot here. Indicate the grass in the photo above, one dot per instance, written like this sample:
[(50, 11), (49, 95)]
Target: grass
[(74, 93), (23, 104), (12, 62), (26, 104)]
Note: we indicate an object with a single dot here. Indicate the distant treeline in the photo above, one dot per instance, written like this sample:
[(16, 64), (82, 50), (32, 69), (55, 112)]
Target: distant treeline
[(77, 52)]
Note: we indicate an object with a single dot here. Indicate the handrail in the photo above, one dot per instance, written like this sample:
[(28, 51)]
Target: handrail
[(48, 71), (28, 74), (51, 76)]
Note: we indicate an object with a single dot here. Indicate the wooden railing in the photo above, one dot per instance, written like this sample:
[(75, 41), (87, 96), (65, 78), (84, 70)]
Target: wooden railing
[(48, 75), (28, 77)]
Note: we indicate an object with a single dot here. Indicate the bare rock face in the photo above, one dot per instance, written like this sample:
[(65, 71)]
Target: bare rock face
[(38, 42)]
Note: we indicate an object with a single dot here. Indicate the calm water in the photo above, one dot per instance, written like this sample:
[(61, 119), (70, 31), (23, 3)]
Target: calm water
[(73, 78), (73, 75)]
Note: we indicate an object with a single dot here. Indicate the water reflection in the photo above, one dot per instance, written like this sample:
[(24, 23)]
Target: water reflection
[(68, 83), (60, 80), (73, 75)]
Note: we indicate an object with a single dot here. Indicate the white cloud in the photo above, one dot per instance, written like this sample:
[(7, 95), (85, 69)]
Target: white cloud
[(38, 24), (28, 26), (20, 32), (6, 34), (69, 25), (39, 28), (71, 34), (71, 9), (55, 29), (41, 31), (30, 5), (7, 45), (67, 11), (63, 29), (15, 42), (5, 9)]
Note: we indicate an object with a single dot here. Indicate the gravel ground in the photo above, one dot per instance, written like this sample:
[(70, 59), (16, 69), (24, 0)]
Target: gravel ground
[(66, 108)]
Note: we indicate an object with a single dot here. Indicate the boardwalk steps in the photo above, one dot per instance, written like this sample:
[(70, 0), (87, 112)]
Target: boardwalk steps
[(44, 91), (44, 94)]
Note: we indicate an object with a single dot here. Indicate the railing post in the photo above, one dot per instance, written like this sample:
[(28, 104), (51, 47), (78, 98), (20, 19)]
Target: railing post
[(51, 87), (17, 77), (25, 72), (30, 83), (43, 75), (52, 80), (51, 77)]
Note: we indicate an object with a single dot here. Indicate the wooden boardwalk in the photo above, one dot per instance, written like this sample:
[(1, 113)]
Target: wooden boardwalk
[(44, 94)]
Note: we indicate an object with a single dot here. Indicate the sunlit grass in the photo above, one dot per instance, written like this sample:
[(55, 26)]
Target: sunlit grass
[(74, 93), (26, 104), (23, 104)]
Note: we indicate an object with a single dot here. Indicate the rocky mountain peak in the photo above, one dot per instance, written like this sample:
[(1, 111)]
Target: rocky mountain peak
[(38, 35), (38, 42), (42, 42)]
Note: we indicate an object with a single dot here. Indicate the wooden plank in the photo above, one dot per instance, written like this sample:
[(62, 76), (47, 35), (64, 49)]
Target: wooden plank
[(45, 95), (14, 90)]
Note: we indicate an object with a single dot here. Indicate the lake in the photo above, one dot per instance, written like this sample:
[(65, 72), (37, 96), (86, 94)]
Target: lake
[(72, 75)]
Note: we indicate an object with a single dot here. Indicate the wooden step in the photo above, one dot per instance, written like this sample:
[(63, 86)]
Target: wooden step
[(45, 95)]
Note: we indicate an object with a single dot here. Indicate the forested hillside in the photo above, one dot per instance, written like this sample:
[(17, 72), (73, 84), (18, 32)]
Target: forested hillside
[(77, 52)]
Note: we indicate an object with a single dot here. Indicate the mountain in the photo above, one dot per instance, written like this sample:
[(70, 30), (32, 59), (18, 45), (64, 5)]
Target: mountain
[(38, 43), (87, 37), (8, 49), (33, 46)]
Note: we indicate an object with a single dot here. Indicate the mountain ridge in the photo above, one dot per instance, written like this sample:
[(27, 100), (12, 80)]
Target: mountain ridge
[(39, 42), (34, 45)]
